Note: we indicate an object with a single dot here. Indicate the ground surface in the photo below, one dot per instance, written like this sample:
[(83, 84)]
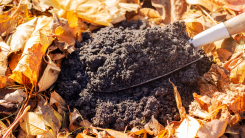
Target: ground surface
[(114, 58)]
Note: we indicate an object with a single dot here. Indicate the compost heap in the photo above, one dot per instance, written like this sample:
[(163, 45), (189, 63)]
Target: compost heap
[(130, 53)]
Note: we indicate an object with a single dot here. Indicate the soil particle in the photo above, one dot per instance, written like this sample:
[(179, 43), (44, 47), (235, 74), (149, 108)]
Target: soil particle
[(130, 53)]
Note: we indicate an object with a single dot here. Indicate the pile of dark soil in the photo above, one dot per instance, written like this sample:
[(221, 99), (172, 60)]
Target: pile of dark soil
[(114, 58)]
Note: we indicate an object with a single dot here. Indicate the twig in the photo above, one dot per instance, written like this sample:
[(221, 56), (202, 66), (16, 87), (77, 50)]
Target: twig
[(15, 122), (207, 14)]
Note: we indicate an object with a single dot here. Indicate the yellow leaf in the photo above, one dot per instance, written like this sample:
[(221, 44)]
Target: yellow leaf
[(9, 20), (33, 52), (150, 13), (32, 124)]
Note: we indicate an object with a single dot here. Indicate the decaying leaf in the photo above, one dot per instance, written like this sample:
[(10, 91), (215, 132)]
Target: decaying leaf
[(75, 116), (188, 128), (32, 124), (216, 79), (52, 118), (213, 129), (56, 99)]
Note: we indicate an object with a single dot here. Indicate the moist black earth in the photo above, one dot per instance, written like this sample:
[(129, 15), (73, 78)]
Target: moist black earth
[(117, 57)]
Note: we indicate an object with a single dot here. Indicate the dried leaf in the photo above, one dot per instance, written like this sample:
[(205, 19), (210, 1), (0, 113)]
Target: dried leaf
[(237, 74), (115, 134), (32, 124), (223, 54), (52, 118), (177, 7), (150, 13), (216, 79), (206, 3), (4, 52), (82, 135), (22, 134), (213, 129), (22, 34), (155, 126), (188, 128), (49, 76), (178, 102), (33, 52), (141, 132), (56, 99), (73, 117)]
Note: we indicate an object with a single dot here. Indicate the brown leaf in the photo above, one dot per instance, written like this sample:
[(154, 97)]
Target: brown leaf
[(52, 118), (216, 79), (49, 76), (155, 126), (213, 129), (223, 54), (178, 102), (74, 117), (56, 99)]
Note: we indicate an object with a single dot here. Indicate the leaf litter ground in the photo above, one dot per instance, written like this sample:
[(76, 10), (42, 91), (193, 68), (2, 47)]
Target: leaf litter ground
[(130, 53)]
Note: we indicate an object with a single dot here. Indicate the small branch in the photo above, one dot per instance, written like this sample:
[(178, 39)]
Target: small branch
[(207, 14)]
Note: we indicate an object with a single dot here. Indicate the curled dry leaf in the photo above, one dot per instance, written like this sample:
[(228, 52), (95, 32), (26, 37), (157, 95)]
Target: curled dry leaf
[(56, 99), (237, 74), (32, 124), (49, 76), (75, 116), (188, 128), (177, 7), (213, 129), (178, 102), (155, 126), (210, 5), (35, 48), (216, 79)]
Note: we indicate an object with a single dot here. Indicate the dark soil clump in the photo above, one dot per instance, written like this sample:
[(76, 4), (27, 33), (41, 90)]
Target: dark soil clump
[(114, 58)]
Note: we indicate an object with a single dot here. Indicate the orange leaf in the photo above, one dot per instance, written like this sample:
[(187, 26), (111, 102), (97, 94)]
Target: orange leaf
[(33, 52), (203, 105), (3, 81), (178, 102)]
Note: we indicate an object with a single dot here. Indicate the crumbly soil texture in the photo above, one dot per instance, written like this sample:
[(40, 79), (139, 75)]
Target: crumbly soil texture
[(130, 53)]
